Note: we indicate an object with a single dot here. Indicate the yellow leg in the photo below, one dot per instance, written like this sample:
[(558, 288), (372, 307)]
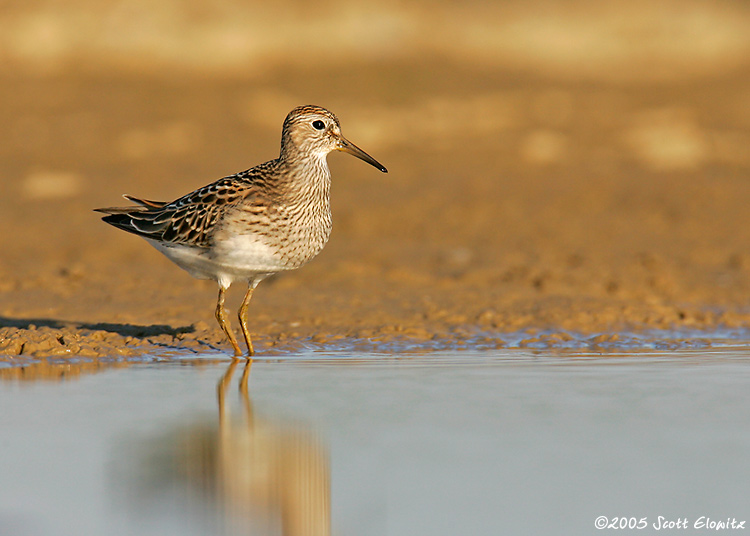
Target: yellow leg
[(221, 316), (242, 315)]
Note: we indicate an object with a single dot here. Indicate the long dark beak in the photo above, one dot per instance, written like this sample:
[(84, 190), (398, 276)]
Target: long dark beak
[(348, 147)]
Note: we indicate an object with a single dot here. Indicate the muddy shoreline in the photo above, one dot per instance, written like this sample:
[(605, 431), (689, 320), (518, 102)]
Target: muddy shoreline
[(589, 208)]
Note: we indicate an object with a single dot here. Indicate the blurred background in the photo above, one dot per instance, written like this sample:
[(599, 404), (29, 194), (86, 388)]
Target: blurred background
[(575, 164)]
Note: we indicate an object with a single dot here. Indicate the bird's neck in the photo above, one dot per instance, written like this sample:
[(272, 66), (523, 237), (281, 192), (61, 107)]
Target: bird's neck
[(309, 176)]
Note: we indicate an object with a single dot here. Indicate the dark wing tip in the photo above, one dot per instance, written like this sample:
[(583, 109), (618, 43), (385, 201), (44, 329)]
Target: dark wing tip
[(130, 222), (119, 210), (119, 220)]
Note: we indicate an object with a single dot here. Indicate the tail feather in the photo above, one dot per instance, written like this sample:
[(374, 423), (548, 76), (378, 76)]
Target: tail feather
[(118, 210), (145, 202), (145, 205), (174, 222), (143, 220)]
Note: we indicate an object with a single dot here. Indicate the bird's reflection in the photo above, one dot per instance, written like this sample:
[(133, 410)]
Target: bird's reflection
[(260, 466), (253, 475)]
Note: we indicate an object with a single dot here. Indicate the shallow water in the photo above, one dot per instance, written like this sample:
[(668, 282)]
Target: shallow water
[(481, 443)]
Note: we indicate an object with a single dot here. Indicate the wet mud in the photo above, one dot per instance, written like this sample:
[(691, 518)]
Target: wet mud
[(517, 200)]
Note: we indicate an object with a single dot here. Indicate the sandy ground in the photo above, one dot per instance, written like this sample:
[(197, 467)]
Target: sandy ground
[(515, 200)]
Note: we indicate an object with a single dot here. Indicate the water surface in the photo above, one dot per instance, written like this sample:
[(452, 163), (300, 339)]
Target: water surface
[(481, 443)]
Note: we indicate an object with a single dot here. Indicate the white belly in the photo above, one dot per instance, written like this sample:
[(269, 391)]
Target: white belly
[(236, 258)]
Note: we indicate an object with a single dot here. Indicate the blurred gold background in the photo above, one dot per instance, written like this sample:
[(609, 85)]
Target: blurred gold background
[(619, 40), (566, 165)]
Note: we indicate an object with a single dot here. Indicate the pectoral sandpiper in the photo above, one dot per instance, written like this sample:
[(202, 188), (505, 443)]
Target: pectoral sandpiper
[(247, 226)]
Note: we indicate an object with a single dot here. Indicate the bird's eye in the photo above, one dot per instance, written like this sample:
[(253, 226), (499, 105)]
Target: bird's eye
[(318, 124)]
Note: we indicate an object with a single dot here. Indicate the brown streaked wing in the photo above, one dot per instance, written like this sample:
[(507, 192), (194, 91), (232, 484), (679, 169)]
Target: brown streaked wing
[(191, 219)]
